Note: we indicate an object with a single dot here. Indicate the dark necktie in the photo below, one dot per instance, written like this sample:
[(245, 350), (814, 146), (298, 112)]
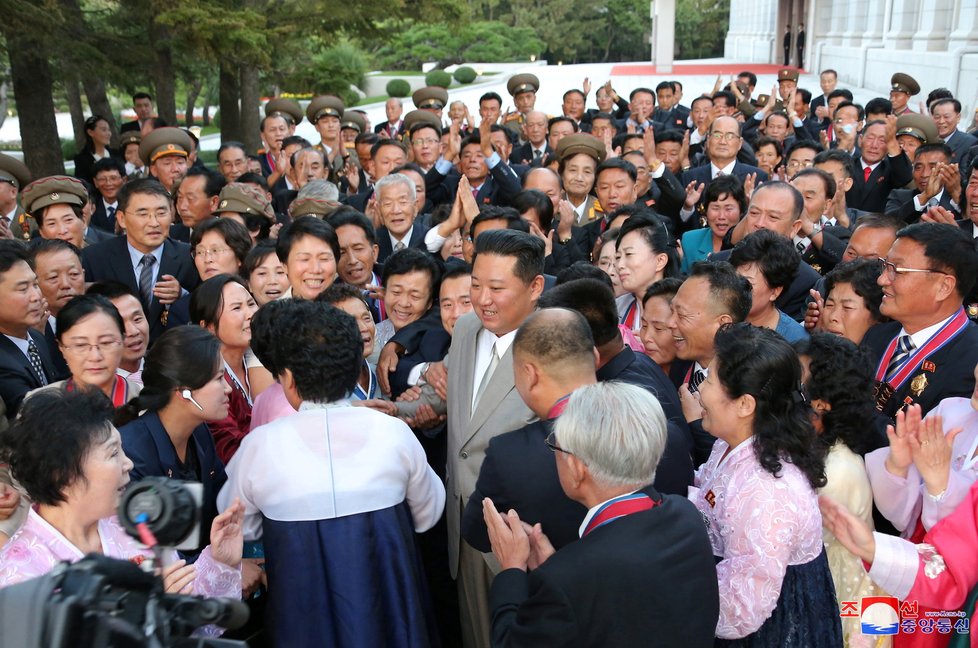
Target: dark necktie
[(537, 155), (904, 347), (110, 214), (801, 247), (35, 358), (146, 280), (694, 382)]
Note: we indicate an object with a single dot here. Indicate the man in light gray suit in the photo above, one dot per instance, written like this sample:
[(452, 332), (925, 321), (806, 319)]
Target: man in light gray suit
[(507, 280)]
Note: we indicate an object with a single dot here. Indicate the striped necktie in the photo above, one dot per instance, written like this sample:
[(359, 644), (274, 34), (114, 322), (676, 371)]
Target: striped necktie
[(904, 347)]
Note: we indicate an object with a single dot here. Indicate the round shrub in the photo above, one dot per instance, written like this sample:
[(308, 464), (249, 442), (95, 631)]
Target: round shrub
[(439, 78), (465, 74), (398, 88)]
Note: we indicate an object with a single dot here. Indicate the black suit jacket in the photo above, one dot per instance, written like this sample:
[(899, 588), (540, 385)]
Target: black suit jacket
[(900, 203), (101, 220), (147, 444), (384, 241), (960, 144), (432, 347), (834, 242), (499, 187), (133, 125), (646, 579), (523, 154), (891, 173), (17, 377), (953, 372), (94, 235), (57, 359), (110, 261)]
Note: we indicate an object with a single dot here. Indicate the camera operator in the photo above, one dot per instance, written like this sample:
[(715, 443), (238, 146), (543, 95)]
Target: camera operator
[(68, 456)]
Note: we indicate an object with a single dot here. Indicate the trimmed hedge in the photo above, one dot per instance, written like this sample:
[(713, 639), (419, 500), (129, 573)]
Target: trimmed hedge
[(465, 74), (439, 78), (398, 88)]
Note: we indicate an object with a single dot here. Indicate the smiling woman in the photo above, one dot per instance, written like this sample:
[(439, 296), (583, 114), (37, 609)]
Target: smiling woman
[(309, 249)]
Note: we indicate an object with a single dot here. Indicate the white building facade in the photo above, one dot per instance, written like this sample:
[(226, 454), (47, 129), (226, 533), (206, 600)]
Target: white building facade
[(866, 41)]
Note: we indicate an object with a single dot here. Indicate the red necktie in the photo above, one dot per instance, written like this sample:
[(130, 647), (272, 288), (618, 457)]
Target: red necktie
[(868, 171)]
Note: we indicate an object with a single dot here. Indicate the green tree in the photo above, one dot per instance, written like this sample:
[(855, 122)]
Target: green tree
[(701, 26), (451, 44)]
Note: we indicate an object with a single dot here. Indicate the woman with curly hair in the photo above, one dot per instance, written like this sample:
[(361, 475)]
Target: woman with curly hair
[(336, 494), (839, 381), (757, 495)]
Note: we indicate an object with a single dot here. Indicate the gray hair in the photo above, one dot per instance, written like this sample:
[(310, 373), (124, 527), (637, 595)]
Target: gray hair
[(393, 179), (618, 430), (320, 190)]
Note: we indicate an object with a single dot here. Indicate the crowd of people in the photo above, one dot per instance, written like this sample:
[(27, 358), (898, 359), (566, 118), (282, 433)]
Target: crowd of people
[(636, 374)]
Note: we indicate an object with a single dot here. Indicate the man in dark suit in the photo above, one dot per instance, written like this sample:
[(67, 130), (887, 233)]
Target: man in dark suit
[(930, 349), (493, 181), (821, 241), (597, 591), (880, 168), (394, 125), (536, 150), (397, 204), (724, 142), (109, 176), (60, 275), (142, 103), (25, 360), (936, 186), (947, 115), (161, 270), (819, 107)]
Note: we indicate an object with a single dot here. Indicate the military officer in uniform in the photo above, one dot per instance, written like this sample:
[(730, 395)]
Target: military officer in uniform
[(288, 109), (431, 98), (326, 113), (14, 221), (915, 130), (164, 151), (523, 88), (902, 87)]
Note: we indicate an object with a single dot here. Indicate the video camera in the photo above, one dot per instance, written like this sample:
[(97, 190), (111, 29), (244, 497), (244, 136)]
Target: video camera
[(100, 602)]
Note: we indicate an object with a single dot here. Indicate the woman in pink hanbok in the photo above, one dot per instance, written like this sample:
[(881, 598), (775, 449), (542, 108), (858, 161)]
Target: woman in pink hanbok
[(67, 455)]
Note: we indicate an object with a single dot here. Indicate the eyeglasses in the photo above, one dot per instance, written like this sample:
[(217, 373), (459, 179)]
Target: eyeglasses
[(551, 442), (890, 270), (84, 348), (796, 164), (425, 141), (730, 137), (213, 252)]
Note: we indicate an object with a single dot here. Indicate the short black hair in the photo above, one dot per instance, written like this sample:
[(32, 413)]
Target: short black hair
[(837, 155), (948, 248), (231, 144), (860, 113), (727, 186), (608, 117), (491, 96), (213, 182), (109, 164), (877, 106), (535, 199), (256, 256), (341, 292), (751, 77), (349, 216), (256, 179), (774, 255), (366, 138), (933, 103), (527, 249), (584, 270), (935, 146), (591, 298), (727, 96), (141, 95), (381, 143), (861, 274), (616, 163), (112, 290), (47, 444), (574, 91), (41, 246), (666, 288), (306, 226), (142, 187), (80, 307), (731, 292), (321, 346), (207, 299), (839, 92), (235, 236), (799, 200), (806, 95), (413, 260), (496, 212), (798, 145), (13, 251), (828, 182), (664, 85), (418, 126), (669, 135), (631, 95)]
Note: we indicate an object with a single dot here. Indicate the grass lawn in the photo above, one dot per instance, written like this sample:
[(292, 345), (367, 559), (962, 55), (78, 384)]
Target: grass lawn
[(399, 73), (370, 100)]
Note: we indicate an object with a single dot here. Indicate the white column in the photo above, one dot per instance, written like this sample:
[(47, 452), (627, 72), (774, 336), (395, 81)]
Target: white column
[(839, 15), (665, 41), (903, 24), (856, 23), (935, 23), (966, 30), (875, 17)]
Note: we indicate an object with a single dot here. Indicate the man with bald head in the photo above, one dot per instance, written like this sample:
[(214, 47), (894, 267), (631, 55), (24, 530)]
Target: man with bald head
[(723, 143), (536, 151)]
